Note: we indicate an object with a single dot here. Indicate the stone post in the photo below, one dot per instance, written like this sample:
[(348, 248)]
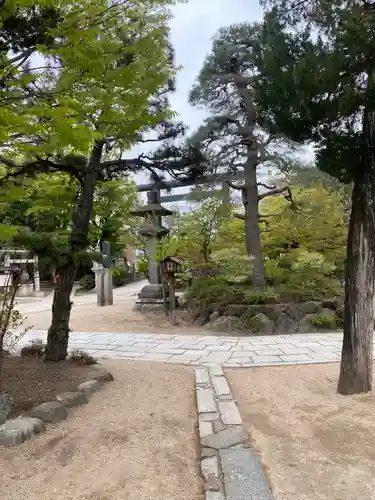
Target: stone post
[(36, 275)]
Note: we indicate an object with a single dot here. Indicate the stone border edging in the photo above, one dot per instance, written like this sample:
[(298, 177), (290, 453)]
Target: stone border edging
[(229, 468), (17, 430)]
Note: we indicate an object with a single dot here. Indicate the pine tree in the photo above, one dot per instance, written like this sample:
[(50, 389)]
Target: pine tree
[(317, 83)]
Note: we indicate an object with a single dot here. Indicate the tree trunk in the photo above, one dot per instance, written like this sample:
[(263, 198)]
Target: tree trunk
[(250, 191), (252, 231), (357, 350), (58, 333)]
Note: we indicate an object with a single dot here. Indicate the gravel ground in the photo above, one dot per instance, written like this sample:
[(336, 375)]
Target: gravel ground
[(135, 440), (116, 318), (314, 443), (30, 381)]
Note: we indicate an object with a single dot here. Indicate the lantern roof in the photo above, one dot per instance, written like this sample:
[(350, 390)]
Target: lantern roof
[(151, 208)]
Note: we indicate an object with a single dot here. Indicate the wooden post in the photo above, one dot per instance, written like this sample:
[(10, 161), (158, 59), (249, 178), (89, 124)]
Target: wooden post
[(172, 300)]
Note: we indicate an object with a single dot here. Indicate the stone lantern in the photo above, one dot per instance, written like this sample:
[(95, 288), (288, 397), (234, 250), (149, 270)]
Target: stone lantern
[(153, 230)]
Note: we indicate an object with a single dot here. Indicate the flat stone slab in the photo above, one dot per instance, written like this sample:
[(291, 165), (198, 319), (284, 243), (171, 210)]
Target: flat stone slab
[(225, 439), (229, 413), (53, 411), (205, 401), (201, 376), (71, 399), (214, 495), (210, 467), (221, 386), (18, 430), (244, 478), (89, 387), (205, 429)]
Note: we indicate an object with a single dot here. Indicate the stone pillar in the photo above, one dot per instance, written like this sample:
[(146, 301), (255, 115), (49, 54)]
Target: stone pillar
[(36, 275), (103, 285), (152, 249)]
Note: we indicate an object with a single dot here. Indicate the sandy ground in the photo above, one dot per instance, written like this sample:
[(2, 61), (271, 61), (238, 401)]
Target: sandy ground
[(135, 440), (117, 318), (314, 443)]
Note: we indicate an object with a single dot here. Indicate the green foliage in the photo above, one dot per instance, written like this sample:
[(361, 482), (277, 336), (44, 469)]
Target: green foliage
[(121, 276), (323, 321), (268, 296), (87, 282), (232, 264), (214, 290)]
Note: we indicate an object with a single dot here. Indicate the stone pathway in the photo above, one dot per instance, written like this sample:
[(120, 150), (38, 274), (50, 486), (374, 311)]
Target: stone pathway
[(230, 352), (230, 470)]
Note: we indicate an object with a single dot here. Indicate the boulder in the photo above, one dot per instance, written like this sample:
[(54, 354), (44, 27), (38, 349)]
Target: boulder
[(306, 326), (6, 406), (272, 311), (53, 411), (17, 430), (285, 324), (294, 310), (71, 399), (89, 387), (222, 324), (214, 315), (311, 307), (236, 310), (262, 324), (332, 304)]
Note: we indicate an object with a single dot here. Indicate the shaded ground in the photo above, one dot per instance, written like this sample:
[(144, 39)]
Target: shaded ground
[(117, 318), (135, 440), (31, 381), (314, 443)]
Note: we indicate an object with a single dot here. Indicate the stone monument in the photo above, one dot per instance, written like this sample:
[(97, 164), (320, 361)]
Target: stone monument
[(153, 230)]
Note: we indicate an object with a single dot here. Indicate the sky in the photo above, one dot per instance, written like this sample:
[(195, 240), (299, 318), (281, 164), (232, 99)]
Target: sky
[(192, 29)]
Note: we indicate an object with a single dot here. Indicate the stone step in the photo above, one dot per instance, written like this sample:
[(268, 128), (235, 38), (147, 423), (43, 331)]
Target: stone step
[(244, 478)]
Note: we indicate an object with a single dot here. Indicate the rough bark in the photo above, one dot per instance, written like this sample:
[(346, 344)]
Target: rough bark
[(250, 191), (357, 351), (58, 333)]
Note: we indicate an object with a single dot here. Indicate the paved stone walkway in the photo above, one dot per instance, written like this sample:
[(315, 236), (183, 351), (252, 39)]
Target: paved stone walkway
[(207, 350)]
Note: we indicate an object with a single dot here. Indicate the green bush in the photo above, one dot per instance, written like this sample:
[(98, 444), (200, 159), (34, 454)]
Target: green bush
[(255, 297), (215, 290), (323, 321), (121, 276), (87, 282)]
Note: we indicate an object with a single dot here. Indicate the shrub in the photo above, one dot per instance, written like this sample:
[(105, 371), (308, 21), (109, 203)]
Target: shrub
[(268, 296), (215, 290), (35, 348), (323, 321), (87, 282), (121, 276), (82, 357), (232, 264)]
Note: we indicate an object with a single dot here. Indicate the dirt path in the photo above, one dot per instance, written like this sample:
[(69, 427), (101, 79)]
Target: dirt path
[(314, 443), (117, 318), (135, 440)]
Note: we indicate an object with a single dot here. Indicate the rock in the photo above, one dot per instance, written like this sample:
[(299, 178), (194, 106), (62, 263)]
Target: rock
[(332, 304), (18, 430), (212, 484), (306, 325), (6, 406), (294, 311), (71, 399), (285, 324), (104, 377), (53, 411), (263, 324), (221, 324), (208, 452), (218, 425), (225, 439), (311, 307), (272, 311), (328, 313), (209, 467), (214, 495), (89, 387), (214, 316), (236, 310)]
